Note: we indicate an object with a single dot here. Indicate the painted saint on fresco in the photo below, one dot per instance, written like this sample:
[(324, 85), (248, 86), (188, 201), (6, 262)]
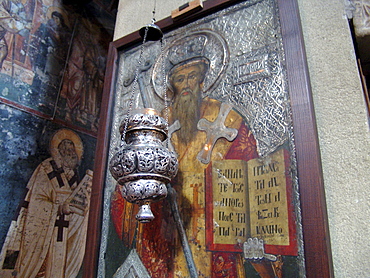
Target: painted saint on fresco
[(83, 79), (48, 235), (52, 59), (48, 52), (13, 19)]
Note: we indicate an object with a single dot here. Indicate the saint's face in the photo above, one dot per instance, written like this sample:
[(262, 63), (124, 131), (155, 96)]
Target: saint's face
[(186, 82), (57, 20), (69, 155)]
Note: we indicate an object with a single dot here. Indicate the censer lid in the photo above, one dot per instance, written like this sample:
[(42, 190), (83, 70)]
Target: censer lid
[(145, 118)]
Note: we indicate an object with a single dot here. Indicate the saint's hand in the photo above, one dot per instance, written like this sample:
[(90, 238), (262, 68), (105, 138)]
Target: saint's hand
[(64, 209)]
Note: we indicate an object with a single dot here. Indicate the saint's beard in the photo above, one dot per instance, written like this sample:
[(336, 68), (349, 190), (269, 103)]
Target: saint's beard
[(70, 161), (187, 111)]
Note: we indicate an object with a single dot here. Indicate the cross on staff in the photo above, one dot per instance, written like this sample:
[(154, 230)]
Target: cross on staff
[(56, 173), (61, 223), (215, 130)]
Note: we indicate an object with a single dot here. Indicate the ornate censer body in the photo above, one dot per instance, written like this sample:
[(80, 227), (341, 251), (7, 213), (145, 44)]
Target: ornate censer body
[(143, 166)]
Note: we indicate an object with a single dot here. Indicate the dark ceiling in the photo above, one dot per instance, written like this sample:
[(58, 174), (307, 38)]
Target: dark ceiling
[(103, 12)]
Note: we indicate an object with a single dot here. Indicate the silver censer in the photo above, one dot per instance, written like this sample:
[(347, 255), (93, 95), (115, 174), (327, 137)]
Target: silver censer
[(144, 165)]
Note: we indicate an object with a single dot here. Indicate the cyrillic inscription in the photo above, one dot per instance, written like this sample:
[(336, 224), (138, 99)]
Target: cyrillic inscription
[(230, 201), (268, 200)]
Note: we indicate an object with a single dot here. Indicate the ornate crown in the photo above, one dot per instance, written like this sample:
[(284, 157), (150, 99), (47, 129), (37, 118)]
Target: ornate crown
[(193, 47)]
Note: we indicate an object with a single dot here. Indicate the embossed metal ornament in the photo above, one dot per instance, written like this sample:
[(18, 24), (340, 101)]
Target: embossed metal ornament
[(143, 166)]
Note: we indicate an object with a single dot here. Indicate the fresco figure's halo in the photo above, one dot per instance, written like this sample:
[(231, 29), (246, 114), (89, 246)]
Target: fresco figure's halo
[(60, 10), (61, 135)]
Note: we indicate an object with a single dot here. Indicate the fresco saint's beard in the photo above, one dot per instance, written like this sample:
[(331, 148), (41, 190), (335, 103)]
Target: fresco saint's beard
[(70, 161), (187, 111)]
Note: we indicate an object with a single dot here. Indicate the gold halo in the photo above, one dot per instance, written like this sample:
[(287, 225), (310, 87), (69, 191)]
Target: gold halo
[(63, 134)]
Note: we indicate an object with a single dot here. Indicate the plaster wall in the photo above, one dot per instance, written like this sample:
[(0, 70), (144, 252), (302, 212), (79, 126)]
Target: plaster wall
[(341, 119), (132, 15), (343, 132)]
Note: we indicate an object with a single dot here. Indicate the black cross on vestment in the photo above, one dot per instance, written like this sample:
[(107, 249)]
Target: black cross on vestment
[(73, 179), (57, 172), (22, 204), (61, 223)]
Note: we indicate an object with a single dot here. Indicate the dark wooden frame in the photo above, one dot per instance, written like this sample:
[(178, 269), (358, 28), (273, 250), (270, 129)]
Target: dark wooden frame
[(317, 252)]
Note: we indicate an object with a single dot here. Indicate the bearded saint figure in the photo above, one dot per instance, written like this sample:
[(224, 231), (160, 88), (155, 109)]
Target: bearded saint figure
[(160, 248), (186, 81), (157, 244), (48, 236)]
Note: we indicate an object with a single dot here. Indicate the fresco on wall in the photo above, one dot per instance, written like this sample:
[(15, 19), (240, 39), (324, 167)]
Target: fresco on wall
[(53, 60), (82, 84), (230, 126), (45, 196)]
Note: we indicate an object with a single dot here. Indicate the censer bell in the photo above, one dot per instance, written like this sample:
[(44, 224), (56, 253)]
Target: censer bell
[(143, 166), (153, 32)]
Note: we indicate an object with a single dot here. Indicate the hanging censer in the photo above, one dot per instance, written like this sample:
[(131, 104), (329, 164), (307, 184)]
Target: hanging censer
[(144, 165)]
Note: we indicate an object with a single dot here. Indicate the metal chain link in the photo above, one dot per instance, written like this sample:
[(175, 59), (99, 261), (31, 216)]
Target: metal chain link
[(153, 12), (135, 83), (164, 91)]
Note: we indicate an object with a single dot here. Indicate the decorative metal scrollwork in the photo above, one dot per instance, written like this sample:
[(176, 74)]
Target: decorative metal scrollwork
[(143, 166)]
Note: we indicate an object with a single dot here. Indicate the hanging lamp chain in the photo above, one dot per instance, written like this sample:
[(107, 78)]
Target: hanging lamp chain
[(164, 90), (135, 83), (153, 12)]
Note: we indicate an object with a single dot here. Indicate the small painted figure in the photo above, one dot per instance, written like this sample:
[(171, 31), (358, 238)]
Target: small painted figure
[(12, 20), (48, 53)]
